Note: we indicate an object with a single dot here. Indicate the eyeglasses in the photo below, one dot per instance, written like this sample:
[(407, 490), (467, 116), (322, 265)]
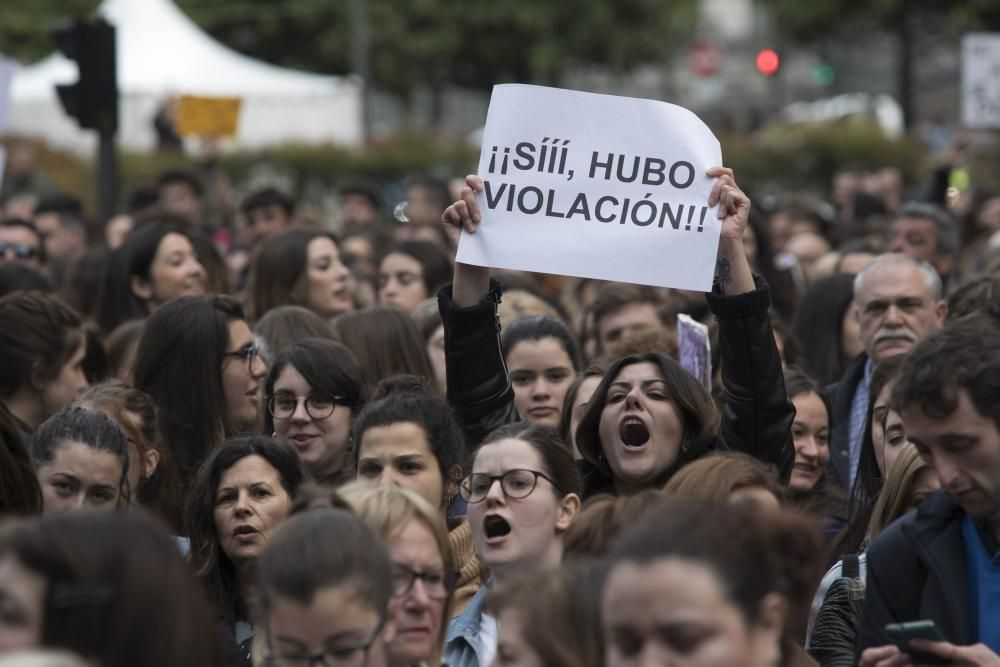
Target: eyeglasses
[(21, 250), (516, 484), (248, 352), (318, 406), (348, 655), (437, 583)]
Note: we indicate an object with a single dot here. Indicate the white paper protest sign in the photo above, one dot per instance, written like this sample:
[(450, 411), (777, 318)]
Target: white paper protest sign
[(694, 347), (981, 80), (596, 186)]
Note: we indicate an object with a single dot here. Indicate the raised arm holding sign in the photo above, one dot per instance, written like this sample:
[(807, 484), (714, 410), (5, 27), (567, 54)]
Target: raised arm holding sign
[(732, 268), (643, 445)]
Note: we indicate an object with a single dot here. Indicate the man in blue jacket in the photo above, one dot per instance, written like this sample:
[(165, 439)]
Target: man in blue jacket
[(942, 562)]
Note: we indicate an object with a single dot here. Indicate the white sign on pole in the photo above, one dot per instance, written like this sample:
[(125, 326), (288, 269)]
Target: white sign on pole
[(981, 80), (596, 186)]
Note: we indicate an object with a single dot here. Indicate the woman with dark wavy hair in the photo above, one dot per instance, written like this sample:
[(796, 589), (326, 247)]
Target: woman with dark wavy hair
[(242, 491)]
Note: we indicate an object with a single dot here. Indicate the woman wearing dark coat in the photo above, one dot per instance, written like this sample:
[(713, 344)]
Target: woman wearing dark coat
[(756, 417)]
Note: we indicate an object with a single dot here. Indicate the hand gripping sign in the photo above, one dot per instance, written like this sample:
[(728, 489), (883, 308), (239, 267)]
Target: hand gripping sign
[(596, 186)]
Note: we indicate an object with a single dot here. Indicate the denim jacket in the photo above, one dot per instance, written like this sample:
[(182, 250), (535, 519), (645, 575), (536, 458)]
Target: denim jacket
[(462, 647)]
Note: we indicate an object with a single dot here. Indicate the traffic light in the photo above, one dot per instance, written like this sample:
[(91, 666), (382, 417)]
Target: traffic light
[(768, 62), (93, 99)]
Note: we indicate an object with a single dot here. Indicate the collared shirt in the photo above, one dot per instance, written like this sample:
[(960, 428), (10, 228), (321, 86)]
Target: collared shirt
[(982, 556), (859, 413), (463, 644)]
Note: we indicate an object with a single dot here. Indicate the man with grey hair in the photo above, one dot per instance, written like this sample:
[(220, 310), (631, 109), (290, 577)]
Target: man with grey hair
[(898, 301), (926, 232)]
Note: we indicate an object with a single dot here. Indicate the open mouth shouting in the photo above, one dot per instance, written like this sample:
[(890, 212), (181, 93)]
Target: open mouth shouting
[(634, 433), (495, 529)]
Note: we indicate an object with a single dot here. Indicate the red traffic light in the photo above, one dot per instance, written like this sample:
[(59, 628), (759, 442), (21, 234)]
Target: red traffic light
[(768, 62)]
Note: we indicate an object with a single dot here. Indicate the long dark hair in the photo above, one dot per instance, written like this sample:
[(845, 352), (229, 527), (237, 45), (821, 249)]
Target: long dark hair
[(134, 258), (386, 342), (869, 479), (700, 414), (39, 334), (19, 491), (118, 591), (819, 320), (211, 565), (179, 364), (277, 272)]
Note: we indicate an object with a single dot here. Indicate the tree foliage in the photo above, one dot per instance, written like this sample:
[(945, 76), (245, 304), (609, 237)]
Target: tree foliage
[(807, 21), (431, 42), (24, 26)]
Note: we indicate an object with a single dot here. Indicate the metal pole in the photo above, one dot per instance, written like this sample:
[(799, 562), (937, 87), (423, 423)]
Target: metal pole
[(361, 61), (107, 175)]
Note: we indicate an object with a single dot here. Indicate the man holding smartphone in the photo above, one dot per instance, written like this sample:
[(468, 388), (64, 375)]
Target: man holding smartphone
[(942, 563)]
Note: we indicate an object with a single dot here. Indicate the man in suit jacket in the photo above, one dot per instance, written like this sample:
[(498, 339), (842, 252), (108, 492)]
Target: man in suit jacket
[(898, 301)]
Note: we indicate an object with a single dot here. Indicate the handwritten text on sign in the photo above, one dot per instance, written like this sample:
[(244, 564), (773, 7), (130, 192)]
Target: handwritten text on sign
[(596, 186)]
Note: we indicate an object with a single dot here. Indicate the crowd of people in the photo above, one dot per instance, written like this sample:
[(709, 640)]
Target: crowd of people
[(236, 437)]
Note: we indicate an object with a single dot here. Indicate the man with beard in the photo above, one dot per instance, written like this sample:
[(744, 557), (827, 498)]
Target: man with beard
[(898, 302)]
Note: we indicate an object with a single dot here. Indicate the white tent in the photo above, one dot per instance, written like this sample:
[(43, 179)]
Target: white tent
[(161, 52)]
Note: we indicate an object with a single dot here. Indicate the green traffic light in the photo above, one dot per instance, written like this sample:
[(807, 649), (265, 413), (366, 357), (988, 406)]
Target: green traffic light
[(823, 75)]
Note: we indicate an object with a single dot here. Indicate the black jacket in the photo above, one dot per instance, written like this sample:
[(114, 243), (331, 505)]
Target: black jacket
[(917, 571), (836, 628), (840, 395), (756, 419)]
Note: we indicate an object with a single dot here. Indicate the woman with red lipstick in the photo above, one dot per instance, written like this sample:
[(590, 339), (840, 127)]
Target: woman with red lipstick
[(542, 360), (648, 416), (239, 496), (523, 493), (300, 267), (314, 390), (423, 572)]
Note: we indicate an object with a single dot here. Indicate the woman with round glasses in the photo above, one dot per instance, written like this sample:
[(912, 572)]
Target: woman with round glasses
[(314, 390), (423, 572), (523, 493), (324, 585)]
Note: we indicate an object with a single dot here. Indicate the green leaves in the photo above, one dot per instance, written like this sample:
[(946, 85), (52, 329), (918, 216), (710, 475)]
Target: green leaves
[(24, 26)]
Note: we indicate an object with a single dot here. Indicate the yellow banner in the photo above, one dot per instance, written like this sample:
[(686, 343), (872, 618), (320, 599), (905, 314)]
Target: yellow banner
[(208, 116)]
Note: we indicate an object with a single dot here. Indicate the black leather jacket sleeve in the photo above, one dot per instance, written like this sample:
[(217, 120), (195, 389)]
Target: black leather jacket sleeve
[(757, 415), (479, 388), (836, 628)]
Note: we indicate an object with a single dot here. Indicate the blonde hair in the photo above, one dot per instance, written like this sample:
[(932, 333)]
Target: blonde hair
[(388, 509), (894, 500)]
